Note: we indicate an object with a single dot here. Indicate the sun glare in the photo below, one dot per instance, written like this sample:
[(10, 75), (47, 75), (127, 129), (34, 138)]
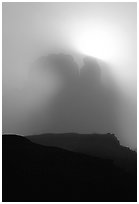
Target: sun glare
[(99, 42)]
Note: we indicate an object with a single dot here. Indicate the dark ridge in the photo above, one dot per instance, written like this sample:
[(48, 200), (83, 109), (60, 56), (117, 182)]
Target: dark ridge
[(108, 137), (105, 146), (36, 173), (11, 139)]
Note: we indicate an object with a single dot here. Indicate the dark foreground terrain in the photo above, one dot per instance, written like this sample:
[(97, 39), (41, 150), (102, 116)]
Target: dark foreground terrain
[(33, 172)]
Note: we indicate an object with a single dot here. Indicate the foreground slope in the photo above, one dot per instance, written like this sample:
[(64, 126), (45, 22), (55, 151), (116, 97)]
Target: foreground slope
[(32, 172), (105, 146)]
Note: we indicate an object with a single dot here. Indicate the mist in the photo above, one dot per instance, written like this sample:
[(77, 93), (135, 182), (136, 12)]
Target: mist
[(41, 39)]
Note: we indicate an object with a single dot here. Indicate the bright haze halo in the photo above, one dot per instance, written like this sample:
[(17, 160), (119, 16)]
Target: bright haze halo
[(99, 41)]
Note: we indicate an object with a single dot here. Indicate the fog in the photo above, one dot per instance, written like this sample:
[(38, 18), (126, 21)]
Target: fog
[(37, 90)]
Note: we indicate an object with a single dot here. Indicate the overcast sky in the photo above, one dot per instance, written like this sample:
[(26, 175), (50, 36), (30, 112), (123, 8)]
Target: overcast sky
[(33, 30)]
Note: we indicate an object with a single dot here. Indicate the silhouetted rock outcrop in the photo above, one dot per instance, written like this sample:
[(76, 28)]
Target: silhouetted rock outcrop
[(100, 145), (33, 172), (81, 102)]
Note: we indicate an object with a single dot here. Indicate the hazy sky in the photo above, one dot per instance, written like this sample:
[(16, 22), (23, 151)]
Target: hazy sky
[(103, 30)]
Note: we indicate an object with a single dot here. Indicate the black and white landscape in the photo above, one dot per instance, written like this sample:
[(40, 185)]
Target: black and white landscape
[(69, 102)]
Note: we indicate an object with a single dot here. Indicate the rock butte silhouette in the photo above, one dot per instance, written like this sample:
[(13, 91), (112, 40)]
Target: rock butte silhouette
[(82, 105)]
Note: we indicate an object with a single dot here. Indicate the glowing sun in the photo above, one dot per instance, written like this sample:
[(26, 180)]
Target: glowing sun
[(99, 42)]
